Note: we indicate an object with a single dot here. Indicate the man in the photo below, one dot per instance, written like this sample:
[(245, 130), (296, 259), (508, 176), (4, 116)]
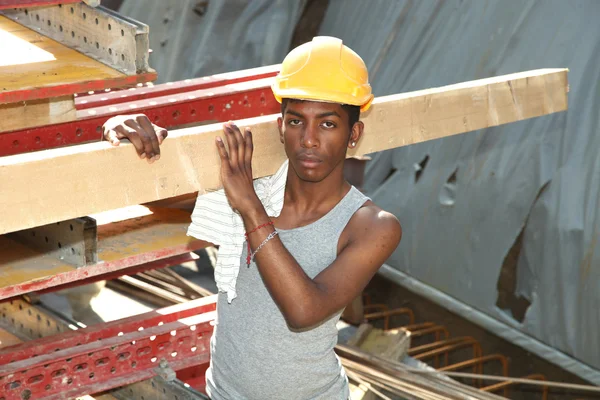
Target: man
[(276, 339)]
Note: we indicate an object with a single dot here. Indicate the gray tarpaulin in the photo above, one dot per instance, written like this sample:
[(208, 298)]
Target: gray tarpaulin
[(191, 38), (464, 200), (502, 223)]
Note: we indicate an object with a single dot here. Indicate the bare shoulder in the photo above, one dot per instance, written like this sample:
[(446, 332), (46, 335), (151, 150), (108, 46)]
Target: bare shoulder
[(375, 222)]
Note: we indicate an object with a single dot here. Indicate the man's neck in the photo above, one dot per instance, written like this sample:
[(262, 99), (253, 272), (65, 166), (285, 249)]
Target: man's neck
[(308, 197)]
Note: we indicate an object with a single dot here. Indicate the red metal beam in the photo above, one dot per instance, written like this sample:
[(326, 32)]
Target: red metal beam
[(65, 89), (32, 3), (163, 263), (149, 90), (110, 355), (235, 101)]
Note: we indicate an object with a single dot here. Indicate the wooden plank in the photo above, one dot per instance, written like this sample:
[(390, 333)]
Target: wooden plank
[(102, 34), (78, 181), (39, 67), (31, 113), (126, 237)]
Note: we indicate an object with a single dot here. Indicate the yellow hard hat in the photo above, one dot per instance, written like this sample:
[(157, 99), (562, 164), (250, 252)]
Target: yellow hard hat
[(324, 70)]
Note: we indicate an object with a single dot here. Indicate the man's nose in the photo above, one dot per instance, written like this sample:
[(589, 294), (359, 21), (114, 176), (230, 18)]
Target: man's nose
[(310, 137)]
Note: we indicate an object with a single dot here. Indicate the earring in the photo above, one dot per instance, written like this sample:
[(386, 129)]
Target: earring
[(353, 144)]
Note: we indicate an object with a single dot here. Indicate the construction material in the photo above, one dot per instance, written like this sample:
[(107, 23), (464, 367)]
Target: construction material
[(525, 381), (126, 238), (102, 34), (30, 113), (220, 99), (111, 355), (38, 67), (390, 344), (396, 376), (32, 3), (74, 241), (189, 159)]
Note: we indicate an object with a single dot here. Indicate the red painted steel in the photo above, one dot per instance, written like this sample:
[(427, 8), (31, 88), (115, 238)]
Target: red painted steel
[(235, 101), (165, 262), (100, 269), (110, 355), (33, 3), (47, 92), (149, 90)]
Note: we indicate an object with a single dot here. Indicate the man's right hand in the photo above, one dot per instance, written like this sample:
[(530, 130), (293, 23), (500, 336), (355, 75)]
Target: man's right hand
[(137, 128)]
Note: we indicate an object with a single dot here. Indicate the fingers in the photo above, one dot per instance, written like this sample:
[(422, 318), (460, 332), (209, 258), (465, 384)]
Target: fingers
[(149, 130), (249, 149), (225, 167), (124, 132), (112, 137), (232, 145), (144, 139), (161, 133)]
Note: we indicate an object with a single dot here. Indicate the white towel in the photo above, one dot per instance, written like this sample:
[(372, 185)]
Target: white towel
[(214, 221)]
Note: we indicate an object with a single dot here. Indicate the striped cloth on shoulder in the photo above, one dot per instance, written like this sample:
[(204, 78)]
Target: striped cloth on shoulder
[(214, 221)]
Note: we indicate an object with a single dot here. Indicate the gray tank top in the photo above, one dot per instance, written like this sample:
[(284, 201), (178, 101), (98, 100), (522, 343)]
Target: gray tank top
[(254, 354)]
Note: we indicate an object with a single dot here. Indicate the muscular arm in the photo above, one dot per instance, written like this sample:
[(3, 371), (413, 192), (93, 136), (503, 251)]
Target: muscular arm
[(305, 302)]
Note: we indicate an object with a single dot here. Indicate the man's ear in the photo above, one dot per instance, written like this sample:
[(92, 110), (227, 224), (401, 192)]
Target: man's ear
[(356, 133), (280, 127)]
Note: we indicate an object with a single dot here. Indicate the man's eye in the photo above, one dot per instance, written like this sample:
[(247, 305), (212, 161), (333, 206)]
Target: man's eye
[(294, 122), (328, 124)]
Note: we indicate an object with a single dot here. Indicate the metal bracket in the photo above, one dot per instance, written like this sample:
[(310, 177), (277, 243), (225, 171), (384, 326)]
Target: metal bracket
[(73, 241), (105, 35), (29, 322)]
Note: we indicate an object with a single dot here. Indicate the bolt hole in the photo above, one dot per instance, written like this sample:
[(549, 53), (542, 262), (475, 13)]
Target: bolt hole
[(71, 227), (84, 16), (211, 108), (193, 112), (46, 239), (122, 32), (60, 28), (72, 34), (110, 51), (72, 10), (59, 245), (48, 387), (113, 370), (78, 132), (97, 22), (92, 375), (38, 139), (85, 39), (37, 17), (16, 143), (58, 136), (49, 23), (133, 364), (109, 27), (122, 57), (97, 45)]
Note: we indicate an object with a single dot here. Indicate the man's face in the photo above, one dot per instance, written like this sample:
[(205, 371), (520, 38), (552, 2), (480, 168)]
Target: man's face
[(316, 136)]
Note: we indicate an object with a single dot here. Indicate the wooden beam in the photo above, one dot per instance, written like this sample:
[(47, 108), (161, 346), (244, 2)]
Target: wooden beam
[(41, 112), (54, 185)]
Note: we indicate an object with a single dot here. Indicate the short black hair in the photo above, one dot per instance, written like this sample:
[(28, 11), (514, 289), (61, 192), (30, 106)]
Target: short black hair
[(352, 111)]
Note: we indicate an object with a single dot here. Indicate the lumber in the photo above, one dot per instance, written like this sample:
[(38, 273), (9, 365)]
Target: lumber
[(59, 184), (31, 113), (34, 66)]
